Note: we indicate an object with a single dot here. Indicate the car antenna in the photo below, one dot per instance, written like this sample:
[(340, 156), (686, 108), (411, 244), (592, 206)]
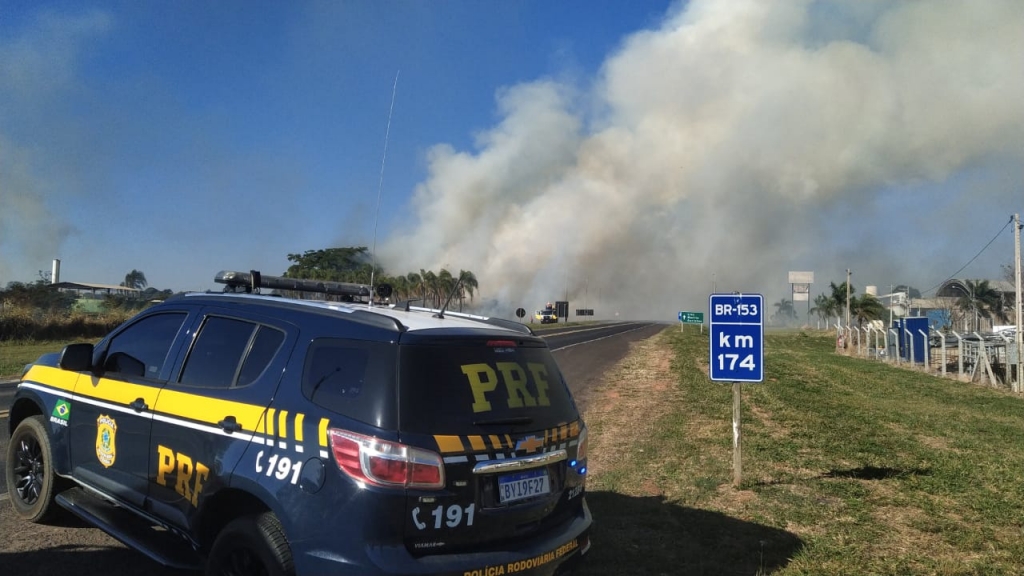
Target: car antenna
[(380, 187), (455, 289)]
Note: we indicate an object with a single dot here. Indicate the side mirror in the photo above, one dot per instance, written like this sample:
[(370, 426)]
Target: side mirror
[(76, 357), (122, 363)]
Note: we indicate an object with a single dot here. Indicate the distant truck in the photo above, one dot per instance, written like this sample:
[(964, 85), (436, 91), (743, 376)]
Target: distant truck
[(547, 315)]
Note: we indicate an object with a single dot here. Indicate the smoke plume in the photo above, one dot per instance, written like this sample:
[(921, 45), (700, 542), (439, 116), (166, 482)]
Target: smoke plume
[(718, 150)]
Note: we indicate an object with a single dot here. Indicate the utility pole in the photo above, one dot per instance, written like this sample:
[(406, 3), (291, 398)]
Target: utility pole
[(847, 297), (1017, 302), (890, 305)]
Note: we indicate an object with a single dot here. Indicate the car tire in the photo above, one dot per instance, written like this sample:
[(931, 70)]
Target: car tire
[(253, 544), (31, 482)]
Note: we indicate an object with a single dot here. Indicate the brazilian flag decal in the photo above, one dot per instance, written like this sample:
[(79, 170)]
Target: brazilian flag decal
[(62, 410)]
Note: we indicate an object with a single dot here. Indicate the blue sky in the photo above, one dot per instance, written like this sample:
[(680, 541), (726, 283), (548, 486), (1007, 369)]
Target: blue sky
[(626, 152)]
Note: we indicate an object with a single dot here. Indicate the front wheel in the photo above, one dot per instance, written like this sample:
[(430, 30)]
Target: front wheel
[(29, 473), (251, 545)]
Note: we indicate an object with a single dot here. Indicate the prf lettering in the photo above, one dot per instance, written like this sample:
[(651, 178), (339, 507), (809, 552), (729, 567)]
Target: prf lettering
[(189, 475), (484, 379)]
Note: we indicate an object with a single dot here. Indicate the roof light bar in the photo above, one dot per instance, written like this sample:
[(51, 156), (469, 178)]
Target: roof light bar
[(252, 281)]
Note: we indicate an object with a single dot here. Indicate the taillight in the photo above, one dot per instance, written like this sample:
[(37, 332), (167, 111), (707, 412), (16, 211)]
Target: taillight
[(385, 463), (581, 448)]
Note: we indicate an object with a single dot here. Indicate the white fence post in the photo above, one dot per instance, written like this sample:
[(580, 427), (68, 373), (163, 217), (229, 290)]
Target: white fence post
[(959, 355), (943, 348), (926, 355)]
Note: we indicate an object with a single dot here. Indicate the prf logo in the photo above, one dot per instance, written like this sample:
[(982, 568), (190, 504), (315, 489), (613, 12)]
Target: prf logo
[(106, 436)]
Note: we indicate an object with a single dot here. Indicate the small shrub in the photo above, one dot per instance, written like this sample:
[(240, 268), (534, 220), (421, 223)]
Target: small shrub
[(27, 323)]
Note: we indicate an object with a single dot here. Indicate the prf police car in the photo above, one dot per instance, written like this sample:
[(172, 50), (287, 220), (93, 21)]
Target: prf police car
[(253, 434)]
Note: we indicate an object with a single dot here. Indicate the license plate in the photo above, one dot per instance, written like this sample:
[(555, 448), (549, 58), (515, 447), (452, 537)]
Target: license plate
[(524, 485)]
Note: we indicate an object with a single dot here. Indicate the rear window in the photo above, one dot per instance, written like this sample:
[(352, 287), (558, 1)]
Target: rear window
[(483, 387)]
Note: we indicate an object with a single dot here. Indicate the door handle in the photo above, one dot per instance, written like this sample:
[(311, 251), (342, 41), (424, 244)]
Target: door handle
[(229, 424), (139, 405)]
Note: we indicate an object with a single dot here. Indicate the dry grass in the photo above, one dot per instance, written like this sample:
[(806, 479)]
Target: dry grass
[(850, 467)]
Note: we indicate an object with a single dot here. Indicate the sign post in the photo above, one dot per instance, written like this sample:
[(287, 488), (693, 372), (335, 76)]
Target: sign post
[(737, 354), (691, 318)]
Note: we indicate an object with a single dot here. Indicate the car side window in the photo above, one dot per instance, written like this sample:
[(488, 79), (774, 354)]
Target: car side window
[(264, 348), (230, 352), (141, 349), (217, 353), (352, 377)]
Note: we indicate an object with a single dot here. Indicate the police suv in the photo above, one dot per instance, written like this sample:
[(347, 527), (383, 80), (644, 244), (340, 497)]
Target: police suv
[(254, 434)]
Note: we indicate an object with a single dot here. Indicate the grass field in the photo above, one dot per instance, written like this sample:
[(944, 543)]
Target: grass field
[(14, 354), (849, 467)]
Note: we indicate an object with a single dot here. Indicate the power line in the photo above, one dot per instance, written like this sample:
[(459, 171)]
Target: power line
[(980, 252)]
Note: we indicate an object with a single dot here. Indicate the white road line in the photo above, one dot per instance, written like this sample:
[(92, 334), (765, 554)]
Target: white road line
[(601, 338), (4, 413), (4, 496), (572, 330)]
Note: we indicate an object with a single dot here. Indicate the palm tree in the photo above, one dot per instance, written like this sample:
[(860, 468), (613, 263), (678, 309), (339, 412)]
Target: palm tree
[(135, 280), (401, 286), (445, 285), (785, 313), (839, 298), (824, 307), (415, 284), (981, 300), (865, 309), (425, 281), (430, 286), (469, 286)]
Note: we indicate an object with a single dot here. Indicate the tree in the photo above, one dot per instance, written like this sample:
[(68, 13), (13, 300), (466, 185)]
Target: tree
[(824, 307), (910, 291), (445, 285), (332, 264), (785, 313), (469, 285), (399, 286), (355, 264), (839, 298), (135, 279), (980, 300), (865, 309), (415, 285), (38, 295), (430, 286)]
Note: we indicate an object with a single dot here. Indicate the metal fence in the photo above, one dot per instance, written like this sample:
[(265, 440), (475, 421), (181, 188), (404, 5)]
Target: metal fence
[(986, 358)]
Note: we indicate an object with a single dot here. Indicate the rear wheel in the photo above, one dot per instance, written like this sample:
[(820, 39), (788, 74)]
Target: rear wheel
[(251, 545), (29, 472)]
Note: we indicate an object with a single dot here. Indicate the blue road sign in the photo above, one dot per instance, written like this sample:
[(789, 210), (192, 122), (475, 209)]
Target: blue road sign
[(737, 337)]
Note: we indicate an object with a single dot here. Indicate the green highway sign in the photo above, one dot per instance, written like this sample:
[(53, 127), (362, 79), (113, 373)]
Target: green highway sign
[(691, 317)]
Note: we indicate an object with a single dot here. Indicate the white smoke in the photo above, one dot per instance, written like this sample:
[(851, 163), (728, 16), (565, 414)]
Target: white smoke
[(707, 145)]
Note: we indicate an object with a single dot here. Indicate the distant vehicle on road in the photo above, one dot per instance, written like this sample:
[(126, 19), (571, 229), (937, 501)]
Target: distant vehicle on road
[(547, 315)]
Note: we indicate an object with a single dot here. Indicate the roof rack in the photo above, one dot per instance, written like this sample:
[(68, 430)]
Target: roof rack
[(252, 281)]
